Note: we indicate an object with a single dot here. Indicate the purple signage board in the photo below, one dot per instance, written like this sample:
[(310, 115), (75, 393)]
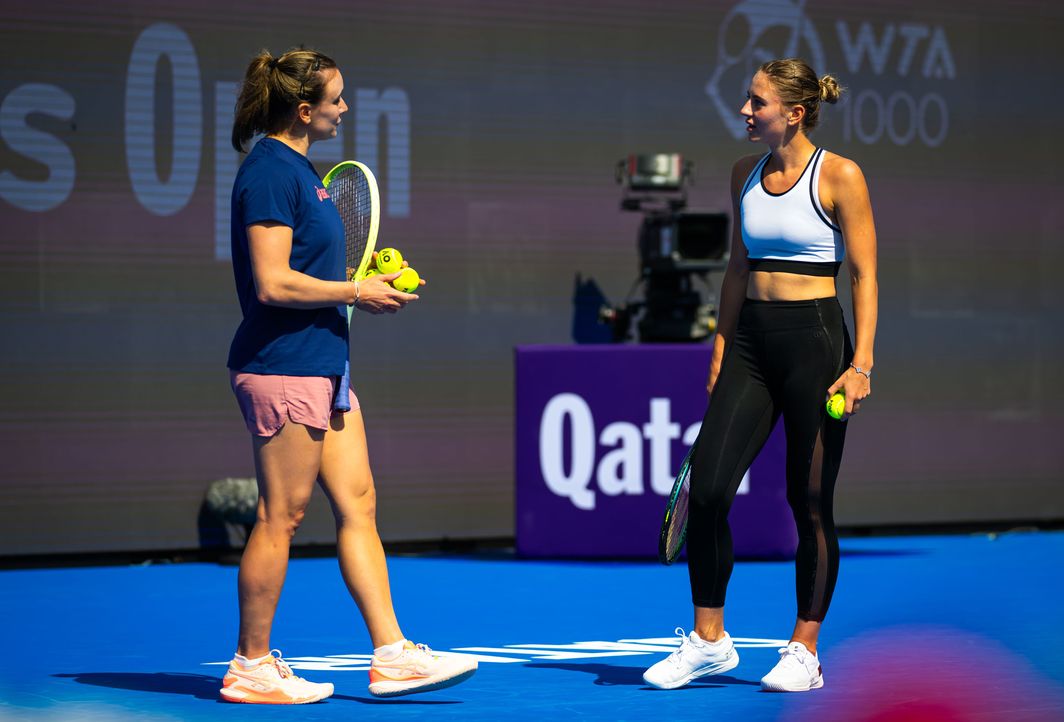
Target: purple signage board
[(601, 431)]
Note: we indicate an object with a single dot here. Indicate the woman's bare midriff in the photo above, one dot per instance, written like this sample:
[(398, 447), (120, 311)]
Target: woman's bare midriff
[(776, 286)]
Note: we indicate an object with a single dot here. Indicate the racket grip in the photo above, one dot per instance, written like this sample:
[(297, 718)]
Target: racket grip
[(342, 400)]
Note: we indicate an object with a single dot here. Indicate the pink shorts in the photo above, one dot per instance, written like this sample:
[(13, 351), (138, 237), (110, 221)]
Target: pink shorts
[(268, 401)]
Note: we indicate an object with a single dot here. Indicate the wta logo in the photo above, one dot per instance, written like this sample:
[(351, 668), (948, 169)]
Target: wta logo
[(897, 71), (753, 33)]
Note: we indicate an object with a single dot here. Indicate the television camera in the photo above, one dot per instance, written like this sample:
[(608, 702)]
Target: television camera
[(677, 246)]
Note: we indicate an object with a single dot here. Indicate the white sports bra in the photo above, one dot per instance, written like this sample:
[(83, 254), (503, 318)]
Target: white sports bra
[(789, 231)]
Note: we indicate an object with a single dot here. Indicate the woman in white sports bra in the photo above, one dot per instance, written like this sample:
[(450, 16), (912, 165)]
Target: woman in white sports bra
[(782, 348)]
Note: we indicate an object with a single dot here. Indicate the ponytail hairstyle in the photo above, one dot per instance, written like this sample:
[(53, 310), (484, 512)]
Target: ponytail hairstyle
[(797, 84), (273, 88)]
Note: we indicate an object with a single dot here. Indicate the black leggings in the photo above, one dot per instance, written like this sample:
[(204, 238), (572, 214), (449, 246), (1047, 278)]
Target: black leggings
[(782, 359)]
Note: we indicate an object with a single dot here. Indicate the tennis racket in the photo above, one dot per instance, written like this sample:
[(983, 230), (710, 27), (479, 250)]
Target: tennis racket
[(353, 190), (674, 527)]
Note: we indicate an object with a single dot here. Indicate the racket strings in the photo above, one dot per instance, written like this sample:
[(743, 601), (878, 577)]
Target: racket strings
[(351, 195), (676, 525)]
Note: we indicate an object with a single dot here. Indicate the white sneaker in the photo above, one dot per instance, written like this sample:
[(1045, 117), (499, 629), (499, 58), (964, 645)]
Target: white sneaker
[(695, 658), (797, 671), (417, 669), (271, 682)]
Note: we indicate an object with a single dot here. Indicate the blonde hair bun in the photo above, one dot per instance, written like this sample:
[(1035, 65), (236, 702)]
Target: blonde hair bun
[(830, 89)]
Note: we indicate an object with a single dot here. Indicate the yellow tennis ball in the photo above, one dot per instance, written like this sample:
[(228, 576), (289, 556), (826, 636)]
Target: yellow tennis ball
[(389, 260), (370, 272), (836, 405), (408, 281)]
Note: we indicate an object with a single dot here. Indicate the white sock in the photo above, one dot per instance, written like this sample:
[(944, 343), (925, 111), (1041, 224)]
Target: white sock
[(246, 663), (389, 651)]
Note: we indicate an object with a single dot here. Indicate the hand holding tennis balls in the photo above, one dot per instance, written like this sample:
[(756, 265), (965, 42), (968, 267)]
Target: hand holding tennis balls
[(836, 405), (389, 261)]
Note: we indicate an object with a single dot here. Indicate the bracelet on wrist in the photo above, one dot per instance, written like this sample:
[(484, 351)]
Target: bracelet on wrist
[(358, 293), (867, 373)]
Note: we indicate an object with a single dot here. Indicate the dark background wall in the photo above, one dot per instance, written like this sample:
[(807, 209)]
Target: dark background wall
[(495, 128)]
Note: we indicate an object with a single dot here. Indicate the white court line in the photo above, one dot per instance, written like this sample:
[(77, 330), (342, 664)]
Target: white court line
[(524, 653)]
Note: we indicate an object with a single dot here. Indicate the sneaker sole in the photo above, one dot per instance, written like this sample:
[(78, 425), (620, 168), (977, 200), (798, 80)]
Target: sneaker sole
[(720, 668), (398, 689), (247, 700), (815, 684)]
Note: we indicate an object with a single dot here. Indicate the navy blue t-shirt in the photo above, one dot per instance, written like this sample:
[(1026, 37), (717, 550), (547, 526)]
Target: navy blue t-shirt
[(275, 183)]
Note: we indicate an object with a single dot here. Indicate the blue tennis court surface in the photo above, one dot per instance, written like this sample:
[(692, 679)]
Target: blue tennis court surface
[(921, 628)]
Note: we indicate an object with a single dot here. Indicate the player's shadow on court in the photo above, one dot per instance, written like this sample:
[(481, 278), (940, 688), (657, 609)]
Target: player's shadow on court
[(199, 686), (610, 675), (394, 700)]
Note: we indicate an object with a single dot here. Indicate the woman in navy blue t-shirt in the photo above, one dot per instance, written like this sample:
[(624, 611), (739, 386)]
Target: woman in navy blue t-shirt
[(285, 362)]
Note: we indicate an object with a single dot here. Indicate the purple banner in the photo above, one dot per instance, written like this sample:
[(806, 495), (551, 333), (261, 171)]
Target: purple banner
[(601, 432)]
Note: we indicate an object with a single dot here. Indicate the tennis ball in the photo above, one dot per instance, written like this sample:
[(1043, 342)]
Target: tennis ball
[(370, 272), (836, 405), (408, 280), (389, 260)]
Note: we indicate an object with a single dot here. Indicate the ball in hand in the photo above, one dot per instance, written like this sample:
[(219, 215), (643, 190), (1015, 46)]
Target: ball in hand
[(408, 280), (370, 272), (389, 260), (836, 405)]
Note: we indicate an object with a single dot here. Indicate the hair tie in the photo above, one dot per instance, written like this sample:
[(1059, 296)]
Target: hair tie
[(272, 63)]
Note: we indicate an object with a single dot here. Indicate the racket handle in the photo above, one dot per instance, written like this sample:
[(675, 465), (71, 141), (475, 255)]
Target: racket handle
[(342, 401)]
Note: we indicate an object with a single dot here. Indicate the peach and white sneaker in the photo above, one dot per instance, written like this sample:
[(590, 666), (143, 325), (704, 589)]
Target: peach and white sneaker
[(417, 669), (270, 682)]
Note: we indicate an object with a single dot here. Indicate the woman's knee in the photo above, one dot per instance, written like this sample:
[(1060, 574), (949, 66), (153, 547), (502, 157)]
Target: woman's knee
[(801, 498), (282, 519), (708, 498), (365, 503), (705, 504), (357, 508)]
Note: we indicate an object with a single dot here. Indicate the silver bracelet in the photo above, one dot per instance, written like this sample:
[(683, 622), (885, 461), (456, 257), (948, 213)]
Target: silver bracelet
[(858, 369), (358, 293)]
